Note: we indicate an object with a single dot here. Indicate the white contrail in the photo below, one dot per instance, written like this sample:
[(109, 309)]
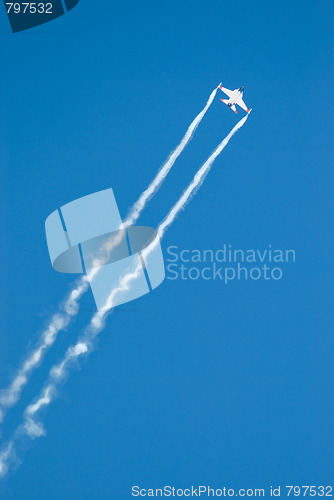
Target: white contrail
[(197, 181), (85, 344), (7, 455), (70, 308), (163, 172), (58, 322)]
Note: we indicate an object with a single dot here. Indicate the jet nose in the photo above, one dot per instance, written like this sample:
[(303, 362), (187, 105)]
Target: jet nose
[(241, 89)]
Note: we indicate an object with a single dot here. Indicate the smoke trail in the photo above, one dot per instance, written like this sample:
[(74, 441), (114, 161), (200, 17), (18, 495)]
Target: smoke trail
[(70, 308), (197, 181), (6, 456), (163, 172), (85, 344), (58, 322)]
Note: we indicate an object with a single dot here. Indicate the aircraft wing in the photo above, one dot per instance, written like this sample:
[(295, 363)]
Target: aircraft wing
[(242, 105), (226, 91)]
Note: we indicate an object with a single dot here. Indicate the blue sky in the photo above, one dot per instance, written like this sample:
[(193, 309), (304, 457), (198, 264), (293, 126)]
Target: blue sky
[(197, 382)]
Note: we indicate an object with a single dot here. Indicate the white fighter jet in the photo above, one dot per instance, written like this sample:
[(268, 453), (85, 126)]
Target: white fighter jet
[(235, 97)]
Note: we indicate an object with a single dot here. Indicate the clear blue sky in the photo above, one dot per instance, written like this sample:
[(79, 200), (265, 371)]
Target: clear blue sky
[(197, 382)]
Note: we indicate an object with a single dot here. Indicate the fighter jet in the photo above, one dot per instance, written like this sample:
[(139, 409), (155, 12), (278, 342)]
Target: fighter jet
[(235, 97)]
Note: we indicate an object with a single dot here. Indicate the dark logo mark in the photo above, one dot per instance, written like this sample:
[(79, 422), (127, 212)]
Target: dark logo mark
[(25, 15)]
